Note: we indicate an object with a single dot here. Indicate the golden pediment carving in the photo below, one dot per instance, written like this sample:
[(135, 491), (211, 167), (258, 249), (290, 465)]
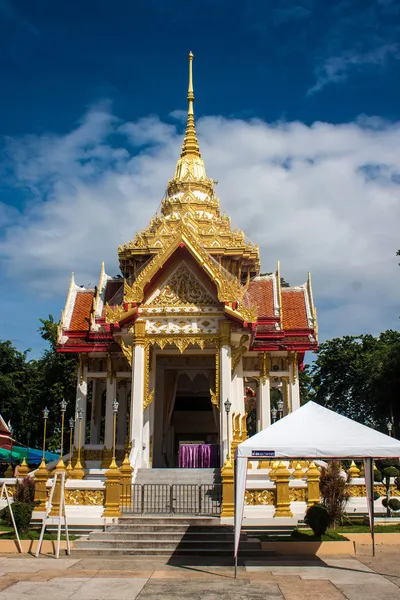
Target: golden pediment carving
[(183, 289)]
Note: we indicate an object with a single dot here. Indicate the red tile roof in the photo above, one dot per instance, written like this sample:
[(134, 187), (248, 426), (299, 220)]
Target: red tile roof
[(294, 313), (260, 293), (81, 311)]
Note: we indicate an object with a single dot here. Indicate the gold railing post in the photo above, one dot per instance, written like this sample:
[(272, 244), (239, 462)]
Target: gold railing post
[(126, 482), (313, 495), (228, 489), (282, 491), (41, 477), (112, 493), (23, 469)]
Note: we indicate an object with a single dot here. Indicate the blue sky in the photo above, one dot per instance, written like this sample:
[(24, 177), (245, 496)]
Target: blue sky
[(298, 118)]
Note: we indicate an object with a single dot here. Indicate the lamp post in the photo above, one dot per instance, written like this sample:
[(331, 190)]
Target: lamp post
[(9, 471), (115, 405), (274, 413), (63, 408), (227, 406), (71, 431), (78, 472), (390, 427), (280, 408), (45, 417)]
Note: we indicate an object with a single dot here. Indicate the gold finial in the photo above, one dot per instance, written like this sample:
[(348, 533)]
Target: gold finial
[(190, 144)]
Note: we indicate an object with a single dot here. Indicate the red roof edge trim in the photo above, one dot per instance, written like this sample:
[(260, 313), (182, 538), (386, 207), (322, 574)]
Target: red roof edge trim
[(75, 334), (83, 348)]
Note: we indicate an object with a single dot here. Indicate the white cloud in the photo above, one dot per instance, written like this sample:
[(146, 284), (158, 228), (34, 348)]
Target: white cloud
[(324, 198), (337, 69)]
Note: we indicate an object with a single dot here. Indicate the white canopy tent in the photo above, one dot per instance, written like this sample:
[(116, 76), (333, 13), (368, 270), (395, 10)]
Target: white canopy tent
[(312, 432)]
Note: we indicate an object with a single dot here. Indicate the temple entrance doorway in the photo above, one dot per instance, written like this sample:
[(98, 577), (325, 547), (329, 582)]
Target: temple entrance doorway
[(190, 421)]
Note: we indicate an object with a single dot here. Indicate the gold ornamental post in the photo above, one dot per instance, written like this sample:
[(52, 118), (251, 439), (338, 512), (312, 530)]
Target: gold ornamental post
[(42, 474), (60, 468), (71, 432), (113, 491), (78, 472)]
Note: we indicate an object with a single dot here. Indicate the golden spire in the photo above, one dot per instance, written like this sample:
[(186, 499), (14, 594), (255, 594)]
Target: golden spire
[(190, 144)]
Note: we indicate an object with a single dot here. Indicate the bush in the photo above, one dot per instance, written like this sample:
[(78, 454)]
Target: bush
[(333, 490), (390, 472), (394, 504), (378, 475), (385, 502), (22, 512), (377, 495), (317, 517), (25, 490), (387, 462)]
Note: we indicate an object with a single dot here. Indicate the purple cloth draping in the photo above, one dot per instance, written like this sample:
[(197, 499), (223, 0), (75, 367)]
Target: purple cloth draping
[(198, 456)]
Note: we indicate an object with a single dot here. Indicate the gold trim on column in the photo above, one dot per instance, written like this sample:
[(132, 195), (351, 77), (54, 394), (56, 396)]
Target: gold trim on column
[(264, 370), (215, 395), (140, 333), (225, 332), (148, 395)]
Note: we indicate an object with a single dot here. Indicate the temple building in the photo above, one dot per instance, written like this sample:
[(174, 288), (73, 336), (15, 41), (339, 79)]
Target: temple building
[(188, 324)]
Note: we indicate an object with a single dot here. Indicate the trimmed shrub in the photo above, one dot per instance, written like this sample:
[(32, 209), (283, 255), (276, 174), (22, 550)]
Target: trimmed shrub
[(25, 490), (378, 475), (22, 512), (390, 472), (394, 504), (377, 495), (317, 517), (385, 502)]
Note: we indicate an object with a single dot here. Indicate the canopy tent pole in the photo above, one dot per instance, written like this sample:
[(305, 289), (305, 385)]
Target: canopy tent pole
[(240, 488), (369, 484)]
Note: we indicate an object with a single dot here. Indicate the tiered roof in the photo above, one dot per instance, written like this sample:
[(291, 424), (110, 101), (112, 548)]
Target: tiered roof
[(190, 225)]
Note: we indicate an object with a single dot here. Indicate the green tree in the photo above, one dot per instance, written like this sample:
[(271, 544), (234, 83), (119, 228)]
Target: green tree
[(356, 376), (27, 386)]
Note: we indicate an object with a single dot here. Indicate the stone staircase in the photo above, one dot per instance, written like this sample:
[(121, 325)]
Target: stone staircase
[(178, 476), (170, 536)]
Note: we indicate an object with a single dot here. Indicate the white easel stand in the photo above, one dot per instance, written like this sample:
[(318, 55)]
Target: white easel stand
[(4, 492), (60, 517)]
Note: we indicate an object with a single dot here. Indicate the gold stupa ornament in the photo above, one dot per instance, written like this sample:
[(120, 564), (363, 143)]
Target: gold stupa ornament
[(191, 202)]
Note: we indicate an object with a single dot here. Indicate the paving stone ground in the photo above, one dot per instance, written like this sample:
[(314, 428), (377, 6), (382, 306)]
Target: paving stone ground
[(273, 578)]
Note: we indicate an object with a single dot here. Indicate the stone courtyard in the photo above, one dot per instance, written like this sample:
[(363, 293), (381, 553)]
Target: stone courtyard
[(275, 577)]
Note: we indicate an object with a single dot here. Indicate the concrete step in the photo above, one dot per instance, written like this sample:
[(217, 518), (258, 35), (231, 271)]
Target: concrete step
[(158, 535), (175, 520), (178, 476), (162, 544), (172, 551)]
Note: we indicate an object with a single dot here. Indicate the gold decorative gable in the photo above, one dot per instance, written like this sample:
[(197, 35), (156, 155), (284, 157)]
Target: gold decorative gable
[(229, 287), (183, 289)]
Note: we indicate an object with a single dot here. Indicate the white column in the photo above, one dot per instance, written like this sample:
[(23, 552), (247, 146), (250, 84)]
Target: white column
[(136, 427), (294, 386), (122, 393), (111, 388), (95, 420), (81, 401), (159, 399), (225, 387), (265, 403)]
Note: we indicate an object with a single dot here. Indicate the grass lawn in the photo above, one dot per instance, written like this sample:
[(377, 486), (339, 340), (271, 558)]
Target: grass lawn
[(32, 534), (304, 535), (365, 528)]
